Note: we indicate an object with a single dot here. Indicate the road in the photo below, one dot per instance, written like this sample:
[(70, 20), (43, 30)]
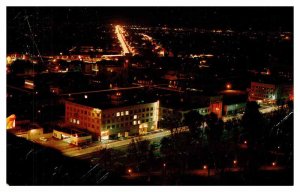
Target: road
[(124, 45), (74, 151)]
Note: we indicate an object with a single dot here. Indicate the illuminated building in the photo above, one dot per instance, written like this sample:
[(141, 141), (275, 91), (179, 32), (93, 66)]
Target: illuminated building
[(29, 84), (269, 92), (234, 101), (112, 119)]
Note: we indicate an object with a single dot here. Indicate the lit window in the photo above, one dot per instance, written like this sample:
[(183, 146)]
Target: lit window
[(139, 122), (71, 120), (122, 113), (126, 112), (78, 122), (74, 120), (135, 117), (118, 114), (134, 122)]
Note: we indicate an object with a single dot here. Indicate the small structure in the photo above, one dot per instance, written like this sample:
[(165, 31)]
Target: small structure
[(72, 136), (11, 121)]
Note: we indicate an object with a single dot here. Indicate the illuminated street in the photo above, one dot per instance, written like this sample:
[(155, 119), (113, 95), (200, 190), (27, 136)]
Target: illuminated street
[(121, 38)]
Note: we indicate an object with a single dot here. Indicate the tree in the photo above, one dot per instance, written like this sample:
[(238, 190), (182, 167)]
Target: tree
[(194, 120), (252, 122), (171, 123), (214, 131), (138, 150)]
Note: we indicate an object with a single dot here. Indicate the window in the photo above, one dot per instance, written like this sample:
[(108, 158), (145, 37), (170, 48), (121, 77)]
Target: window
[(135, 117), (71, 120), (117, 126), (113, 126), (139, 122), (108, 126), (78, 122), (126, 112), (147, 114), (143, 109), (118, 114), (122, 113), (147, 109), (134, 122)]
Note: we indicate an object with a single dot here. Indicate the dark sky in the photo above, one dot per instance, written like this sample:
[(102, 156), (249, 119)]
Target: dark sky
[(58, 28), (240, 18)]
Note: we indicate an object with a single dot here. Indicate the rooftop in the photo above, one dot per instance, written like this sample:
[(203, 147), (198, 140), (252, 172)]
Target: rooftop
[(113, 99)]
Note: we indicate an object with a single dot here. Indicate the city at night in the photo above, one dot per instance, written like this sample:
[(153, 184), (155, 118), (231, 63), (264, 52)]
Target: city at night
[(149, 96)]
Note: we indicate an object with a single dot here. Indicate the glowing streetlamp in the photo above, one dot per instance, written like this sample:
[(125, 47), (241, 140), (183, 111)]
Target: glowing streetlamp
[(204, 167), (273, 163), (228, 86), (129, 171)]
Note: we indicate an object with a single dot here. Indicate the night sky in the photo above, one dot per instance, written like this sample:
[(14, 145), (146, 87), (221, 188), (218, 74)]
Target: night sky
[(239, 18), (52, 26)]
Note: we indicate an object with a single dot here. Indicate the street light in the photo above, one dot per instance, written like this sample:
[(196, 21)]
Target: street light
[(228, 86), (204, 166), (273, 163), (129, 171), (234, 162)]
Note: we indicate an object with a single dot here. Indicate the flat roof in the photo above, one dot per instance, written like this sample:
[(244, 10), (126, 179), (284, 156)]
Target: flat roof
[(71, 131), (104, 100)]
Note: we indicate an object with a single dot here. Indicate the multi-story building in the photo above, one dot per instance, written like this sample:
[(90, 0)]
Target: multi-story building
[(114, 119), (234, 101), (269, 92), (179, 106)]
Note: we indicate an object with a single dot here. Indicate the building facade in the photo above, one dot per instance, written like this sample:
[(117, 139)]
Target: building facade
[(113, 122), (269, 93)]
